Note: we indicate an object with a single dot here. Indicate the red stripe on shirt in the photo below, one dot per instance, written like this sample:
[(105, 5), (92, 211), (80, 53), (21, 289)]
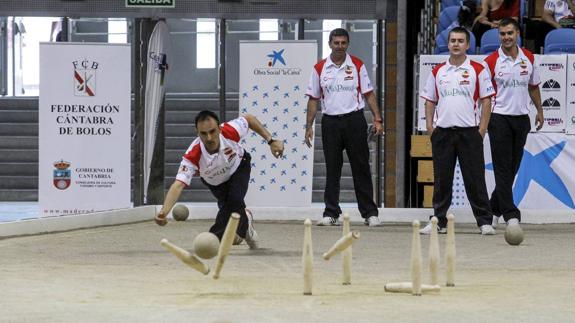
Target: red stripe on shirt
[(318, 69), (434, 71), (230, 132), (194, 155), (478, 68), (491, 61)]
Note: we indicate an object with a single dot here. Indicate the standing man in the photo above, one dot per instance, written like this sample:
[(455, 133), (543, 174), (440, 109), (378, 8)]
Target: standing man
[(516, 81), (451, 93), (340, 82), (224, 167)]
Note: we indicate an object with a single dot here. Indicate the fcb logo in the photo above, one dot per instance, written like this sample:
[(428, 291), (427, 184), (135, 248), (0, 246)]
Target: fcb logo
[(62, 175), (85, 77), (465, 74), (348, 69)]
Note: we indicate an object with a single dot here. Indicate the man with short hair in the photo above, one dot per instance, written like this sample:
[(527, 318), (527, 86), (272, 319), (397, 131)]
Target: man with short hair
[(224, 167), (516, 80), (451, 93), (340, 82)]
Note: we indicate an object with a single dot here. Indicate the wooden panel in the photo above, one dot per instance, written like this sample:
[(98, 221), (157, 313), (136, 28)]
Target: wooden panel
[(420, 146), (428, 196), (425, 171)]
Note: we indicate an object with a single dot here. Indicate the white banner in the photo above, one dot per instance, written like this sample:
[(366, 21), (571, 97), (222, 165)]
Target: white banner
[(553, 72), (273, 80), (570, 110), (544, 179), (84, 127)]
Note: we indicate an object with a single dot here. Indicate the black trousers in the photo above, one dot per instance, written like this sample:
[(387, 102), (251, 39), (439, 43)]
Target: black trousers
[(465, 144), (347, 132), (230, 196), (507, 137)]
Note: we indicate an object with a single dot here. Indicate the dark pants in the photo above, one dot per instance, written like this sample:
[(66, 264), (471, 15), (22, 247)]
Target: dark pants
[(507, 136), (349, 132), (230, 196), (478, 31), (465, 144)]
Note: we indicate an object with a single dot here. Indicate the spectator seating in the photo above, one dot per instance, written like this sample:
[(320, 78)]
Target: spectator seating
[(446, 17), (441, 44), (559, 41), (490, 41), (449, 3)]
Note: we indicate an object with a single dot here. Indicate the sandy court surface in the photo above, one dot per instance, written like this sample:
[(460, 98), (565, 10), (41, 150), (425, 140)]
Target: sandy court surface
[(121, 274)]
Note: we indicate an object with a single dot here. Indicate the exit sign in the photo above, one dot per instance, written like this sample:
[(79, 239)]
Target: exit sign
[(151, 3)]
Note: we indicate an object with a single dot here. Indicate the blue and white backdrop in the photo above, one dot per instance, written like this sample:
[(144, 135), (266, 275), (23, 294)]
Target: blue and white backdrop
[(273, 80)]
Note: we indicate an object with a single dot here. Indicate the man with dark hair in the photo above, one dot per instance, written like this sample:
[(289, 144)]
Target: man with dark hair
[(516, 79), (451, 93), (340, 82), (224, 167)]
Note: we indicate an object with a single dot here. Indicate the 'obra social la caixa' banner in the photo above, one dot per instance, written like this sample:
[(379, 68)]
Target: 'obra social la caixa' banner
[(273, 79), (84, 128)]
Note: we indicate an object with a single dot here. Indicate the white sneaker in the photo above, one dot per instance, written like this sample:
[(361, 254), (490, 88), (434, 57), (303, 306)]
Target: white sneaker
[(495, 222), (513, 221), (427, 229), (252, 237), (373, 221), (487, 230), (328, 221)]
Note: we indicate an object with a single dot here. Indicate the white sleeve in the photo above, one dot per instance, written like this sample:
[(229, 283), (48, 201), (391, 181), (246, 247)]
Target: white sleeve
[(549, 5), (486, 88), (429, 91), (313, 87), (535, 79), (240, 125), (186, 171), (365, 84)]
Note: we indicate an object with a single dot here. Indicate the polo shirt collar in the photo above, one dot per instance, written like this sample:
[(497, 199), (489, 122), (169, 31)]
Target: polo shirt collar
[(504, 57), (465, 65), (347, 61)]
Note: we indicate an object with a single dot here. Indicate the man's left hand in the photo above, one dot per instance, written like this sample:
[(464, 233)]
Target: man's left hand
[(377, 128), (539, 120), (277, 148)]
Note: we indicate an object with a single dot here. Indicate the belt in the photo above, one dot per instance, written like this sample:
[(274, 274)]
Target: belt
[(343, 115), (458, 128)]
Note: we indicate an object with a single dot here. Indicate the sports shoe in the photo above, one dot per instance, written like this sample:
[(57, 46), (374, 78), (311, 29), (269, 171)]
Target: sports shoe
[(252, 237), (373, 221), (427, 229), (487, 230), (237, 240), (328, 221), (495, 222)]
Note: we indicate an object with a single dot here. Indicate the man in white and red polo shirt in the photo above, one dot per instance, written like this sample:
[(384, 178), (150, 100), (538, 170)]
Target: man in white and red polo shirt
[(516, 80), (451, 93), (224, 166), (340, 82)]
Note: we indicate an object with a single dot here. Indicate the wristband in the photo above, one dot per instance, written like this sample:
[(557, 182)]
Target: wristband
[(271, 141)]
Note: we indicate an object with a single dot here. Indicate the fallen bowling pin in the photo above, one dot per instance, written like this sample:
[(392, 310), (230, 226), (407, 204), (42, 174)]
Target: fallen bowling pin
[(408, 288), (226, 243), (341, 244), (185, 257)]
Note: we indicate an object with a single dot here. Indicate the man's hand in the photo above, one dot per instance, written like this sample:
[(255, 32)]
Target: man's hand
[(539, 120), (482, 132), (430, 130), (277, 148), (377, 128), (309, 136), (160, 219)]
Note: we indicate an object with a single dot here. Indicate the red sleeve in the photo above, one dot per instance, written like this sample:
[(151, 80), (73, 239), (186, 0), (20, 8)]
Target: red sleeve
[(193, 155), (230, 132)]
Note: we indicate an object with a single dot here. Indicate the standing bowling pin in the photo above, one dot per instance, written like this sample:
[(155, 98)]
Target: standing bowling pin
[(450, 251), (415, 260), (346, 254), (433, 252), (307, 259)]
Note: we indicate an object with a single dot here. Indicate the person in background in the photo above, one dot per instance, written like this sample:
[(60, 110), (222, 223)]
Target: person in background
[(466, 15), (492, 11)]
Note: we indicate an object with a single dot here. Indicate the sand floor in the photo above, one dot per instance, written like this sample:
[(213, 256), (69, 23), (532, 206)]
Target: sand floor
[(122, 274)]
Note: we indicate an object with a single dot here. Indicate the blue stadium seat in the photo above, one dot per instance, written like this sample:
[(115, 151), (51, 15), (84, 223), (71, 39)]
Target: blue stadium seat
[(490, 41), (441, 43), (446, 17), (559, 41), (449, 3)]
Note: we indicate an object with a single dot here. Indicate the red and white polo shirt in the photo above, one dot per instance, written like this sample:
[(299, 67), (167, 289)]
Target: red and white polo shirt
[(218, 167), (511, 79), (340, 89), (455, 91)]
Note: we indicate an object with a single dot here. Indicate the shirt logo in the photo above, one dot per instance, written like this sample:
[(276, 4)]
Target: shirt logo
[(464, 82), (348, 69), (465, 74)]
